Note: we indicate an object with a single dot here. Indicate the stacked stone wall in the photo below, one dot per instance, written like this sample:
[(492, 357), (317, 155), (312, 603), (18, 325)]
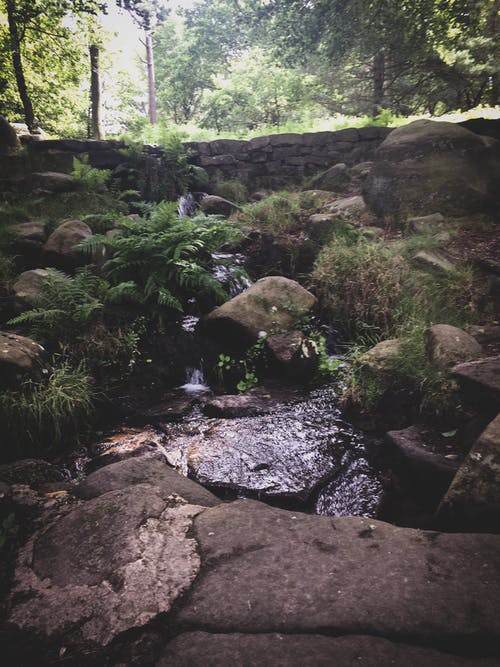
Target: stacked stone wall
[(280, 159)]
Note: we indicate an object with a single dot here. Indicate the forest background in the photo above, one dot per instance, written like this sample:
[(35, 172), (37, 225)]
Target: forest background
[(242, 67)]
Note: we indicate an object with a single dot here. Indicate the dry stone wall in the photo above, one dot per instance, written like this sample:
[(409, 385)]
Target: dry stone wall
[(279, 159)]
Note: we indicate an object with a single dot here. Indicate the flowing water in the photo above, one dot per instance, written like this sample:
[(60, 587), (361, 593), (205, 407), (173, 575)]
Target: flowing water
[(298, 453)]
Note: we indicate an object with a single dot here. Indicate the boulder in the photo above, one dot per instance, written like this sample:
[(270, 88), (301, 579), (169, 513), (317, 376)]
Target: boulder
[(20, 358), (294, 355), (277, 571), (29, 237), (60, 246), (143, 471), (426, 223), (273, 303), (9, 141), (28, 286), (433, 261), (480, 380), (487, 335), (51, 182), (472, 503), (447, 345), (214, 205), (335, 178), (427, 473), (381, 356), (348, 208), (428, 165), (208, 649), (105, 567)]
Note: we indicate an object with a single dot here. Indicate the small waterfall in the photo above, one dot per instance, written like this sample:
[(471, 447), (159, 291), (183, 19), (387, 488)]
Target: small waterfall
[(190, 203), (228, 272), (195, 381)]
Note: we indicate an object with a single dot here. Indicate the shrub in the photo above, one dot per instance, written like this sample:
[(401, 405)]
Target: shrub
[(359, 284), (278, 213), (233, 190), (41, 417), (168, 259)]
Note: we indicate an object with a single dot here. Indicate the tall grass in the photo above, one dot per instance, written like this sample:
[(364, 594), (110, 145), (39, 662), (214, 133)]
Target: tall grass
[(41, 418)]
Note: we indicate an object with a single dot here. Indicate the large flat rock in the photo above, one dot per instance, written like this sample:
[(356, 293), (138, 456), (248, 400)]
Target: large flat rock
[(109, 565), (202, 649), (267, 570), (290, 452)]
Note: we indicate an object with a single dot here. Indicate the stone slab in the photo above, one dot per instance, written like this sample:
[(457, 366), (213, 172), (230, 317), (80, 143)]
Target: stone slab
[(109, 565), (202, 649), (269, 570), (141, 470)]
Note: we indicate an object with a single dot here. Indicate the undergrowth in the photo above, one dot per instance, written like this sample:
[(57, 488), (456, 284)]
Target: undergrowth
[(41, 417), (373, 292)]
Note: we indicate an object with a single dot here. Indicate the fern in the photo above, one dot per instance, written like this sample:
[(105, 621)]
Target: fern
[(88, 178), (168, 259), (67, 306)]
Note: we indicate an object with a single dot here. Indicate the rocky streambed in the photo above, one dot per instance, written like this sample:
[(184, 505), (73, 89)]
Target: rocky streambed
[(287, 446)]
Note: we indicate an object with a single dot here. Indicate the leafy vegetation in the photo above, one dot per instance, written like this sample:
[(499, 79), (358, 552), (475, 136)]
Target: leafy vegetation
[(41, 417), (245, 67), (373, 292), (166, 258)]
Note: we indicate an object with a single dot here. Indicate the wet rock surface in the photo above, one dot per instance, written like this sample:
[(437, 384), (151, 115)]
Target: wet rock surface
[(289, 452), (203, 649), (367, 577)]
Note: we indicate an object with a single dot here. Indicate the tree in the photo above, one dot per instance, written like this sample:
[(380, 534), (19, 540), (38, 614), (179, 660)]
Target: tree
[(147, 14), (27, 18), (388, 46)]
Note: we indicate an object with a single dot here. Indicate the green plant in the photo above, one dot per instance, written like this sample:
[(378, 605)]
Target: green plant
[(42, 416), (232, 189), (278, 212), (89, 178), (232, 372), (168, 259), (75, 315), (68, 306), (327, 365)]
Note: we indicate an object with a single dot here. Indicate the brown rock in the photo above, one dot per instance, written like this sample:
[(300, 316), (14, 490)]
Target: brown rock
[(472, 503), (447, 345)]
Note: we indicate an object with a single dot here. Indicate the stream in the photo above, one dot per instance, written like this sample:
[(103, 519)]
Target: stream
[(296, 452), (285, 445)]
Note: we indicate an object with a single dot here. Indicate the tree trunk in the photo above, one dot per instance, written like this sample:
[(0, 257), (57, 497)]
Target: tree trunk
[(378, 73), (17, 62), (97, 131), (151, 78), (493, 28)]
